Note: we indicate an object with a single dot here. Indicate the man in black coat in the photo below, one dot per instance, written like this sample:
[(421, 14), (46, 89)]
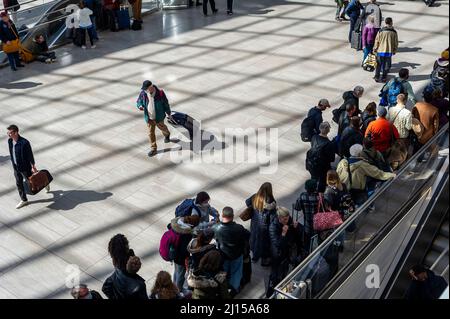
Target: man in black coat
[(425, 285), (22, 160), (230, 238)]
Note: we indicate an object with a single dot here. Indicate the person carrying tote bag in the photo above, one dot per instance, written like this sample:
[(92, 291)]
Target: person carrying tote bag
[(324, 220), (10, 41)]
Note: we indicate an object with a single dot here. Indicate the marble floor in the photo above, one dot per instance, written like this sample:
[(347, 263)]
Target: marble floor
[(264, 67)]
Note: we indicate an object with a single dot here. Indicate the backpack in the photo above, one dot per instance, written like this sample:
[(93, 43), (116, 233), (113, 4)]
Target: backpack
[(185, 208), (168, 245), (394, 90), (337, 113), (314, 158), (307, 129)]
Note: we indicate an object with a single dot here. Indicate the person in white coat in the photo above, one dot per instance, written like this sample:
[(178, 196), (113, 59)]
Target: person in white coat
[(86, 24)]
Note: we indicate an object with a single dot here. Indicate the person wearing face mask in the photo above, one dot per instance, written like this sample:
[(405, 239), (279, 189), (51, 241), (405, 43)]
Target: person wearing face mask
[(205, 211)]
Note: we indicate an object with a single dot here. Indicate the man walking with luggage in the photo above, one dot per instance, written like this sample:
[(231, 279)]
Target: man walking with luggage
[(22, 160), (153, 102), (386, 45)]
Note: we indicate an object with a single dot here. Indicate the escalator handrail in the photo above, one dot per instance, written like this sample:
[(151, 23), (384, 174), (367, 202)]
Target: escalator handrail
[(21, 4), (360, 210), (442, 255)]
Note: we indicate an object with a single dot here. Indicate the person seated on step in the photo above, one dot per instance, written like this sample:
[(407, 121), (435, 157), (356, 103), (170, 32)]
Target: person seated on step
[(40, 51)]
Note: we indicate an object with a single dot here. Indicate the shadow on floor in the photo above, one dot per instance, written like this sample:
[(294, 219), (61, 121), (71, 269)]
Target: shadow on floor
[(19, 85), (407, 49), (419, 77), (72, 199)]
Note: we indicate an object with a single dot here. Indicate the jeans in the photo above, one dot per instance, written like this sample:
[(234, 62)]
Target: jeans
[(230, 5), (179, 276), (20, 176), (234, 268), (42, 57), (90, 31), (212, 3), (367, 50), (384, 64), (13, 59), (152, 135), (352, 27), (94, 28)]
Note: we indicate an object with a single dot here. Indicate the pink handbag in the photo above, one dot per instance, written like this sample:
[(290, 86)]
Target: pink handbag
[(326, 220)]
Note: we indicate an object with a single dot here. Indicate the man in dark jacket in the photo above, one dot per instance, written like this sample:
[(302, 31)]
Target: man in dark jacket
[(39, 49), (316, 114), (345, 119), (285, 237), (126, 284), (353, 97), (425, 285), (22, 159), (320, 156), (350, 136), (354, 12), (230, 238)]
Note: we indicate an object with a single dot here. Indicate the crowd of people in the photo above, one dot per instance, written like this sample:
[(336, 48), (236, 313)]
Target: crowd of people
[(212, 254)]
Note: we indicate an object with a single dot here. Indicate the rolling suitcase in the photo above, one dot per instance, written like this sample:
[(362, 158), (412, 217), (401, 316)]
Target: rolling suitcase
[(184, 120), (38, 182), (78, 35), (123, 18), (356, 40)]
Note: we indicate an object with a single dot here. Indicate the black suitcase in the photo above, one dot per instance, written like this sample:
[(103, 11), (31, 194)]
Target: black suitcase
[(78, 35)]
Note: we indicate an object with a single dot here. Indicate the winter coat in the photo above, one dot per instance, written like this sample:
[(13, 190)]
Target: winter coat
[(349, 97), (316, 114), (360, 169), (354, 9), (185, 231), (38, 48), (382, 133), (350, 136), (230, 238), (333, 197), (327, 152), (208, 286), (162, 106), (368, 35), (366, 119), (430, 289), (8, 32), (373, 9), (198, 253), (121, 285), (373, 157), (386, 41), (24, 154), (281, 245), (259, 228)]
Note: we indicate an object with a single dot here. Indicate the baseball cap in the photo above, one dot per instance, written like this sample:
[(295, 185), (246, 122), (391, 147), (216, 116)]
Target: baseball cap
[(146, 84)]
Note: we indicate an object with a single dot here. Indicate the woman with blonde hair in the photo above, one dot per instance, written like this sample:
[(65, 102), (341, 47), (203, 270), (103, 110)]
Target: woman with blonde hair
[(164, 288), (264, 210)]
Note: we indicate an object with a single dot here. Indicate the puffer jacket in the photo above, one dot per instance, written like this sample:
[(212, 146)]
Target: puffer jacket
[(360, 169), (185, 231), (207, 286), (121, 285), (198, 253)]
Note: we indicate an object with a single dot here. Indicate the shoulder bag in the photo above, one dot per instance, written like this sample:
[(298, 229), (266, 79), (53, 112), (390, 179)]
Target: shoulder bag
[(13, 46), (324, 220)]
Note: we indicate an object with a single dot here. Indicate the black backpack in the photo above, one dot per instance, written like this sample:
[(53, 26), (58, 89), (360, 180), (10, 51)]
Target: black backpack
[(314, 158), (307, 129)]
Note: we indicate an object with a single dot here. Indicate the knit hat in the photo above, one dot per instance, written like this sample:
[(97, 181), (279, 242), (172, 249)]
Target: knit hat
[(381, 111), (356, 150)]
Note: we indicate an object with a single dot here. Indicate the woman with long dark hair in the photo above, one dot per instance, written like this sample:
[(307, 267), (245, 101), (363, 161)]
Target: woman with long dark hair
[(264, 210), (164, 288)]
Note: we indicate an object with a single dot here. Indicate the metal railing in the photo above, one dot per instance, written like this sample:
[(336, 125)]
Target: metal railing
[(292, 281)]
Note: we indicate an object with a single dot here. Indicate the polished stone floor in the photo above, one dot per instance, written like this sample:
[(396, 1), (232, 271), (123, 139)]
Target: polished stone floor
[(262, 68)]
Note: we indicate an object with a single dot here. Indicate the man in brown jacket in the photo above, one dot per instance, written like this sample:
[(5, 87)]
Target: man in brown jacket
[(428, 115), (385, 46)]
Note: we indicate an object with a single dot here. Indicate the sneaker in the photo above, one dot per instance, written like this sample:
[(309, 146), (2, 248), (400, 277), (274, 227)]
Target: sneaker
[(83, 47), (167, 139), (93, 47), (230, 13), (22, 203), (48, 61), (152, 153), (14, 69), (53, 60), (215, 11), (47, 188), (20, 65)]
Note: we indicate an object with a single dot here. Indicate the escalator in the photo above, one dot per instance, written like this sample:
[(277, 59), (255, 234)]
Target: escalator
[(378, 238)]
